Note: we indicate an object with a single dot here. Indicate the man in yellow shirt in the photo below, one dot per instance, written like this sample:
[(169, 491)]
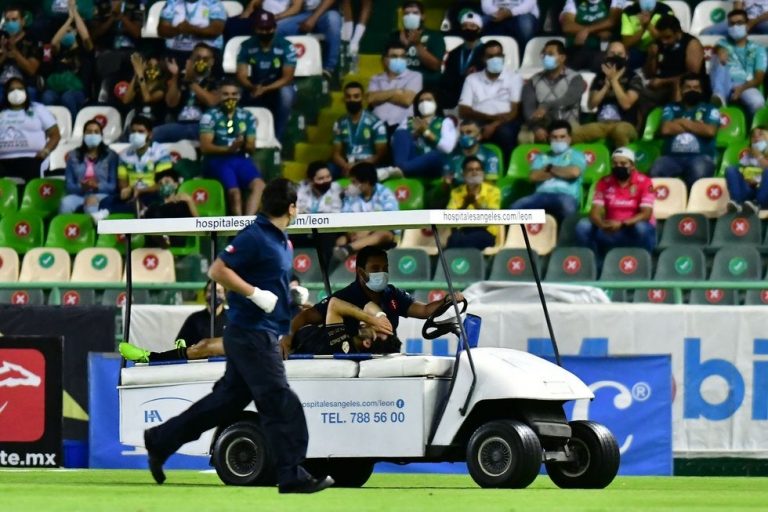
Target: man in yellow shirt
[(474, 194)]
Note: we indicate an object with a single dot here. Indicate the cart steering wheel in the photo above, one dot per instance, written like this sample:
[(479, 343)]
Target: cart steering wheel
[(433, 329)]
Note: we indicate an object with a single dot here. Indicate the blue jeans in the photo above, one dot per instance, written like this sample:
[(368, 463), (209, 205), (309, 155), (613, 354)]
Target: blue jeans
[(72, 202), (522, 28), (405, 156), (174, 132), (688, 167), (741, 191), (329, 25), (73, 100), (559, 206), (722, 85), (642, 234), (721, 29), (279, 103)]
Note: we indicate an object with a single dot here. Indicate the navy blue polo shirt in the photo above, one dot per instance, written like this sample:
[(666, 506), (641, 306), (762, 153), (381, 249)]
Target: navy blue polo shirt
[(394, 302), (262, 256)]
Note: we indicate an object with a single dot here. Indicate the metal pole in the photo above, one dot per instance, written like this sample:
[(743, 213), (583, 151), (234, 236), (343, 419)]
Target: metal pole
[(212, 301), (128, 289), (323, 262)]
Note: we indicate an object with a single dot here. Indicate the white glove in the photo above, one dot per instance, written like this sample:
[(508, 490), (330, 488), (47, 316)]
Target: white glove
[(300, 295), (265, 299)]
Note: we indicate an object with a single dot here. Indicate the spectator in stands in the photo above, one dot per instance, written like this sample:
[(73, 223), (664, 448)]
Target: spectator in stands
[(138, 164), (91, 174), (622, 209), (146, 91), (638, 28), (492, 97), (689, 129), (358, 136), (474, 194), (422, 145), (614, 93), (424, 48), (69, 77), (20, 55), (265, 67), (52, 13), (353, 32), (516, 18), (738, 67), (318, 193), (189, 96), (116, 32), (748, 181), (757, 18), (318, 16), (184, 23), (228, 140), (28, 133), (552, 94), (557, 174), (365, 194), (470, 145), (170, 204), (463, 60), (586, 26), (391, 93)]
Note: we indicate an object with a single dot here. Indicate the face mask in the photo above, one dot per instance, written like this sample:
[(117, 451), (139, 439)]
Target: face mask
[(265, 37), (621, 173), (68, 40), (559, 146), (377, 281), (12, 27), (353, 107), (474, 179), (647, 5), (467, 141), (618, 62), (201, 66), (230, 104), (152, 73), (470, 35), (427, 108), (218, 300), (137, 140), (167, 189), (737, 32), (495, 65), (17, 97), (352, 190), (760, 145), (692, 97), (411, 21), (92, 140), (549, 62), (323, 187), (397, 65)]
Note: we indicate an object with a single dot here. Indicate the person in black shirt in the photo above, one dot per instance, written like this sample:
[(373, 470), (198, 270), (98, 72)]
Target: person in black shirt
[(463, 60), (169, 204)]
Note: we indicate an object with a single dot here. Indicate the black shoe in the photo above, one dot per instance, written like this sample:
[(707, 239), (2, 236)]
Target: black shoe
[(306, 486), (155, 461)]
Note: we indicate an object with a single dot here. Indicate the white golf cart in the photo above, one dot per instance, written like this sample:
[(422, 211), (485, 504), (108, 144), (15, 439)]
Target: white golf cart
[(499, 410)]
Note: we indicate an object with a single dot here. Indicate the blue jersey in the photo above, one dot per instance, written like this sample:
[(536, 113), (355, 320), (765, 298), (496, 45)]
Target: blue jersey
[(262, 256)]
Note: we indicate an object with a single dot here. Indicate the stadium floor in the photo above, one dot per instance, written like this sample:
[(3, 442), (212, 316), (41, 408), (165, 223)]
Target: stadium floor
[(132, 490)]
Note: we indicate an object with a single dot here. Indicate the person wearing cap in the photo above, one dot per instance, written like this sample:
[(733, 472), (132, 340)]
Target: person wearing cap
[(463, 60), (622, 209), (265, 68), (184, 23), (586, 26), (424, 48)]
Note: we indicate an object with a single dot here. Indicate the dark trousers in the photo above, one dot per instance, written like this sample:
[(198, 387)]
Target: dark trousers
[(255, 372)]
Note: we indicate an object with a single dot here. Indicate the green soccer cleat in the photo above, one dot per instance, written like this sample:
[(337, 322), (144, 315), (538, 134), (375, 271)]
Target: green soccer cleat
[(180, 343), (133, 353)]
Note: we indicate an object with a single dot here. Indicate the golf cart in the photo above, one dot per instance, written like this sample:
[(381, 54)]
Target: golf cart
[(499, 410)]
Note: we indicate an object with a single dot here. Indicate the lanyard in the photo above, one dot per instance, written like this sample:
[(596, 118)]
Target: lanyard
[(190, 17), (466, 61), (356, 131)]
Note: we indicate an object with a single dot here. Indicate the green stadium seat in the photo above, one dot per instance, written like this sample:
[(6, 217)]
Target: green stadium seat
[(587, 197), (9, 196), (598, 161), (22, 297), (465, 266), (409, 193), (646, 152), (344, 273), (733, 127), (761, 118), (191, 268), (625, 264), (571, 264), (191, 246), (652, 124), (42, 196), (21, 231), (208, 196), (306, 266), (71, 297), (685, 229), (522, 158), (499, 154), (116, 297), (513, 189), (409, 265), (118, 241), (737, 229), (72, 232), (513, 265), (732, 155)]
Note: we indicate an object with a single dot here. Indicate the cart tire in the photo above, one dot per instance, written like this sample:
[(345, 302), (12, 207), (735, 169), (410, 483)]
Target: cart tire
[(504, 454), (597, 458), (241, 455), (350, 472)]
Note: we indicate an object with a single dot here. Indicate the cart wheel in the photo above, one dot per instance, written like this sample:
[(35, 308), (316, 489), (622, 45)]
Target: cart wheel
[(504, 453), (597, 458), (350, 472), (241, 455)]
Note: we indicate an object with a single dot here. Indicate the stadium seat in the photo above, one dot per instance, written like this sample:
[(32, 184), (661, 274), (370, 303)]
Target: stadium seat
[(9, 196), (152, 266), (183, 149), (737, 263), (431, 295), (265, 128), (500, 155), (522, 158), (533, 49), (682, 12), (71, 232), (409, 193), (117, 242), (543, 237), (645, 154), (9, 265), (709, 196), (625, 264), (598, 161), (208, 196), (501, 239), (191, 246), (707, 13), (112, 127), (652, 124), (97, 265), (587, 199), (423, 239), (21, 231), (510, 48), (681, 263), (42, 196), (269, 162), (685, 229), (756, 297), (513, 265), (309, 61), (566, 236), (191, 268), (588, 77), (63, 119), (294, 171), (571, 264), (231, 49), (671, 197), (306, 266), (149, 30), (45, 264), (513, 189), (732, 155), (73, 297), (737, 229), (22, 297), (761, 118), (306, 153), (465, 265), (344, 273), (58, 158), (409, 265), (733, 127), (654, 296), (233, 8), (116, 297), (714, 297), (452, 42)]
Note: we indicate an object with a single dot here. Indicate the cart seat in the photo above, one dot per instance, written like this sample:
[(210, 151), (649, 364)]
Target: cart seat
[(407, 366)]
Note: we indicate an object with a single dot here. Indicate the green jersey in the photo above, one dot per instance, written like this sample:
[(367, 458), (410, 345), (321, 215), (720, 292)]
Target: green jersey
[(359, 140), (226, 130)]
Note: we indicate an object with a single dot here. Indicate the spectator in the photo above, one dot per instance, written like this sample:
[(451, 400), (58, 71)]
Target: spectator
[(421, 146), (492, 97), (265, 67), (139, 163), (391, 93), (365, 194), (28, 133), (146, 91), (281, 9), (353, 32), (116, 32), (552, 94), (463, 60), (52, 13), (638, 28), (424, 48), (748, 181), (321, 17), (557, 175), (470, 145), (358, 136), (20, 55), (228, 140), (622, 209), (170, 204), (757, 18), (90, 175), (586, 26), (474, 194), (689, 129), (614, 93), (318, 193), (183, 24), (738, 67), (68, 79), (189, 99), (516, 18)]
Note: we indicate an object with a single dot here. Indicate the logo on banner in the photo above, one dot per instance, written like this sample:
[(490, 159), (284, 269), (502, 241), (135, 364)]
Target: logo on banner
[(22, 392)]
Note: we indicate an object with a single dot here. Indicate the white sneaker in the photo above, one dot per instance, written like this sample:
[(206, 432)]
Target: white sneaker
[(100, 215), (385, 173)]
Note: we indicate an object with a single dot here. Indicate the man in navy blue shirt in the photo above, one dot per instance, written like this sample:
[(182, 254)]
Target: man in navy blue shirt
[(256, 268)]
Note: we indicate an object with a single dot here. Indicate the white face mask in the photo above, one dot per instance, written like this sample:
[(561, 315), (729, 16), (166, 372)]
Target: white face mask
[(137, 140), (411, 21), (353, 190), (17, 97), (474, 179), (427, 108), (377, 281)]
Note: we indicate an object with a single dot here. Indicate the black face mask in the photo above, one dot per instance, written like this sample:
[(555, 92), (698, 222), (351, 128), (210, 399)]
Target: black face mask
[(616, 61), (265, 37), (692, 98), (323, 187), (470, 35), (353, 107), (621, 173)]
